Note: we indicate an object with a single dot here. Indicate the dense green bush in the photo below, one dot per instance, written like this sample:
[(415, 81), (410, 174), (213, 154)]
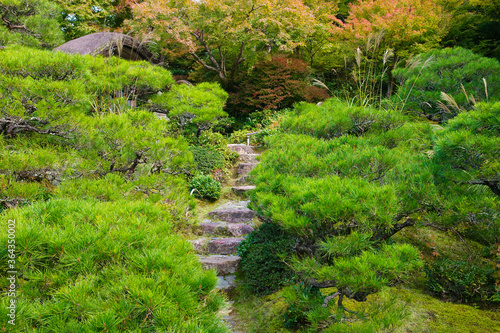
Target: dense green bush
[(457, 72), (205, 187), (263, 254), (334, 119), (206, 159), (460, 281)]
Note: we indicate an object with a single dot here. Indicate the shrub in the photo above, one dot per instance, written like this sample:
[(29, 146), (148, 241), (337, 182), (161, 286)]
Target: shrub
[(457, 72), (206, 159), (262, 259), (334, 119), (205, 187), (301, 299), (460, 281)]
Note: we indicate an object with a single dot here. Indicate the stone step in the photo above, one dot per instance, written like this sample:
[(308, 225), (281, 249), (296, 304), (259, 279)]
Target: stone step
[(223, 229), (223, 264), (246, 179), (213, 228), (241, 148), (248, 158), (223, 245), (233, 215), (245, 168), (239, 229), (242, 189)]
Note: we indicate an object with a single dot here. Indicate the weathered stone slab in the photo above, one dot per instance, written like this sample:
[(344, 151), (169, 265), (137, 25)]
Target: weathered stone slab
[(239, 229), (245, 168), (233, 215), (248, 158), (223, 245), (222, 264), (242, 189), (213, 228), (240, 148)]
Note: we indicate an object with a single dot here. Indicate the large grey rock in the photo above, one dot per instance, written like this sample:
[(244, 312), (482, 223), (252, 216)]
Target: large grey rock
[(223, 245), (240, 148), (245, 168), (233, 215), (239, 229), (222, 264), (242, 189), (213, 228), (248, 158)]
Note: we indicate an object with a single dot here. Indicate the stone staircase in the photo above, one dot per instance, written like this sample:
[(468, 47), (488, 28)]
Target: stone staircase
[(226, 226)]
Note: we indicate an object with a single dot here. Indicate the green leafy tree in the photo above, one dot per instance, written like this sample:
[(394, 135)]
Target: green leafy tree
[(474, 25), (82, 17), (30, 22), (200, 105)]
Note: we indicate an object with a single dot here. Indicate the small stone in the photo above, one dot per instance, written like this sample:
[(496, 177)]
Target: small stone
[(239, 229)]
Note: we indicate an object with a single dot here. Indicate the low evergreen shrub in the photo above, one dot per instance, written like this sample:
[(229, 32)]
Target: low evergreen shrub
[(263, 254), (460, 281), (205, 187), (457, 72)]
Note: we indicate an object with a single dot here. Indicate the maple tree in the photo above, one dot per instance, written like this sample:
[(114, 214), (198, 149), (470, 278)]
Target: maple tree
[(409, 25), (222, 35)]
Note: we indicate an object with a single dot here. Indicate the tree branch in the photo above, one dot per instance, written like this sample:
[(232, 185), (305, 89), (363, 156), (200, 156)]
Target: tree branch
[(493, 184), (11, 126), (383, 235)]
